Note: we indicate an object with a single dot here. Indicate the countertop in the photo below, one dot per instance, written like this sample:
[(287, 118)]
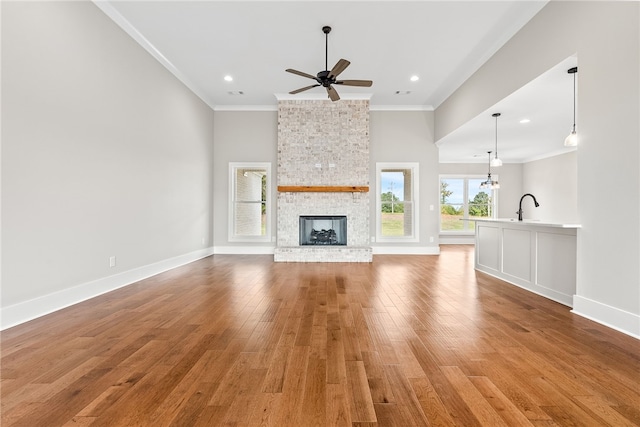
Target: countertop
[(532, 222)]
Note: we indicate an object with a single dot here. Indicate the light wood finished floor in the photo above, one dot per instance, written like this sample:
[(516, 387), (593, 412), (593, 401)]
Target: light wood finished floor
[(243, 341)]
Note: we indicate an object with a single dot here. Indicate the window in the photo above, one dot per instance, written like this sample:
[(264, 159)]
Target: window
[(249, 201), (462, 198), (397, 202)]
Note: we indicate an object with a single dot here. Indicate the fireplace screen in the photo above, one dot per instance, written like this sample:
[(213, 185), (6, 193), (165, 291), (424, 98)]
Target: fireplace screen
[(323, 230)]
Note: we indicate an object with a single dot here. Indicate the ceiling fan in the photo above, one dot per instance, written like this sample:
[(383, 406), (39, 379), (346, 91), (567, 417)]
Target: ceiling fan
[(327, 78)]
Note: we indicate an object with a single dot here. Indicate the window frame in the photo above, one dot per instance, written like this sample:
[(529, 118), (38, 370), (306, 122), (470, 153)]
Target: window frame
[(415, 191), (494, 194), (232, 236)]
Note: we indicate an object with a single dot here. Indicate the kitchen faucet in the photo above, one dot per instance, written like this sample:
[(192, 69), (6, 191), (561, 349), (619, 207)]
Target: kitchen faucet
[(520, 207)]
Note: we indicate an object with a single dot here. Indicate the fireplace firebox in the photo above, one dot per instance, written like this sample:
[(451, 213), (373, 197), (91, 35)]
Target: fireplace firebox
[(323, 230)]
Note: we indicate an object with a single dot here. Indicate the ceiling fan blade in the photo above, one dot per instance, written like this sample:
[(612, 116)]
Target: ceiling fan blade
[(302, 89), (300, 73), (364, 83), (332, 93), (340, 66)]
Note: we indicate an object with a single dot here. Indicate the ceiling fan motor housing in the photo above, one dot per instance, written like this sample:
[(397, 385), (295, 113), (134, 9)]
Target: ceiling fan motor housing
[(323, 78)]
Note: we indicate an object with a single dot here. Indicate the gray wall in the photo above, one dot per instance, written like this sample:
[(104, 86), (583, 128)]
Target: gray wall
[(241, 136), (554, 183), (407, 136), (605, 36), (104, 153)]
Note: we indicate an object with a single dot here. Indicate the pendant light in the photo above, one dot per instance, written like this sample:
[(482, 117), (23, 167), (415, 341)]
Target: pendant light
[(572, 139), (489, 183), (496, 161)]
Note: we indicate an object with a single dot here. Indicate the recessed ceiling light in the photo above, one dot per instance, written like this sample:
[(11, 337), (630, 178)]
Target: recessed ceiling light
[(403, 92), (414, 78), (235, 92), (525, 121), (228, 78)]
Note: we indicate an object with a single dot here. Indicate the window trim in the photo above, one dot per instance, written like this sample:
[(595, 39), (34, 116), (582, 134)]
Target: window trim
[(494, 197), (415, 191), (233, 167)]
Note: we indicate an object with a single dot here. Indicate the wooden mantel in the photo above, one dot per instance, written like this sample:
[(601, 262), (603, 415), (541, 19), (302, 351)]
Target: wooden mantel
[(322, 189)]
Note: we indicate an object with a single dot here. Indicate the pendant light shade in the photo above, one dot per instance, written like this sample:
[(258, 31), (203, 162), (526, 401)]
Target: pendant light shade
[(489, 183), (572, 139), (495, 162)]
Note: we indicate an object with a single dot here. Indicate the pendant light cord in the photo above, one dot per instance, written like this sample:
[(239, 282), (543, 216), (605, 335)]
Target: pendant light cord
[(498, 163), (489, 174), (497, 136), (574, 102)]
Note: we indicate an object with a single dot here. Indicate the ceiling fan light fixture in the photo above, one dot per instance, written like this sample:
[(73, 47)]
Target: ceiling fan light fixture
[(572, 139)]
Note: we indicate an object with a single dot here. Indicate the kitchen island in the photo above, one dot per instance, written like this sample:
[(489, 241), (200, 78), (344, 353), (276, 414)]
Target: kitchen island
[(537, 256)]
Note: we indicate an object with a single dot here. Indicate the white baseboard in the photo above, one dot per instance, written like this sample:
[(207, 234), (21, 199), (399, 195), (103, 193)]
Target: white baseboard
[(457, 240), (612, 317), (28, 310), (377, 250), (406, 250), (553, 295), (244, 250)]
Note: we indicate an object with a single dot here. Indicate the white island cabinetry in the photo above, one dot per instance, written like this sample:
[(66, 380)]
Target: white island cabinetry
[(537, 256)]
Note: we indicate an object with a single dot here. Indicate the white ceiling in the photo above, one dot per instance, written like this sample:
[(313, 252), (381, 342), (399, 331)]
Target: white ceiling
[(547, 101), (442, 42)]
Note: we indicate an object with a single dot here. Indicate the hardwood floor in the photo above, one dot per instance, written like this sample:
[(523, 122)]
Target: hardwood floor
[(243, 341)]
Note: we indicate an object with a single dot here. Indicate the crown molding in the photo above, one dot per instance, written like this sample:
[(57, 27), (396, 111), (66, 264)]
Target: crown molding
[(401, 108), (291, 97), (321, 96), (245, 108), (126, 26)]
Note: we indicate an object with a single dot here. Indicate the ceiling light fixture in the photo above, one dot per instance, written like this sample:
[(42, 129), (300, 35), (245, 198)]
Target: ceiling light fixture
[(228, 78), (496, 161), (572, 139), (489, 183), (525, 121), (414, 78)]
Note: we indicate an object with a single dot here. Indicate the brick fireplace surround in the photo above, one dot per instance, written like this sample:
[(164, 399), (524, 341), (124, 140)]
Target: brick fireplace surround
[(323, 144)]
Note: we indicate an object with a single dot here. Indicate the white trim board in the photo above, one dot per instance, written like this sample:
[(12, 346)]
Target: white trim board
[(612, 317), (406, 250), (243, 250), (456, 240), (377, 250), (16, 314)]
